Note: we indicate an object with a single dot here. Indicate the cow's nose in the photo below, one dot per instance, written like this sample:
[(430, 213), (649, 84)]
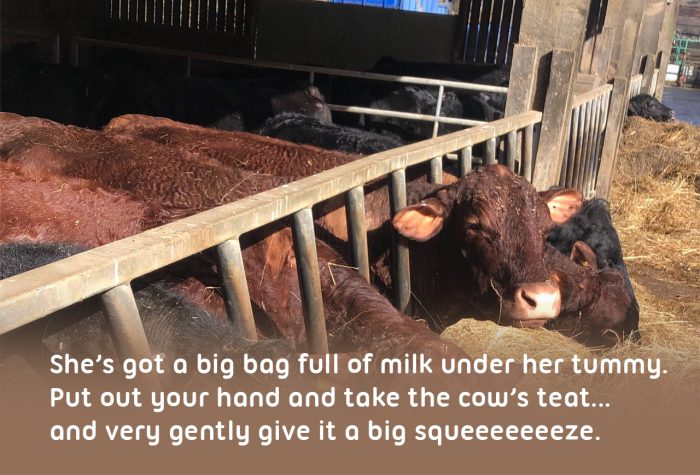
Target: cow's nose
[(537, 302)]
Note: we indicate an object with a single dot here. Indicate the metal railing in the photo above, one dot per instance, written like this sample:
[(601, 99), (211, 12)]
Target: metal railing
[(582, 152), (108, 270), (636, 85), (441, 84)]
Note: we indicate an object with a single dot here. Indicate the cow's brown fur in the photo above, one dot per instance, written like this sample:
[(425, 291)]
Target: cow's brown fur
[(176, 184)]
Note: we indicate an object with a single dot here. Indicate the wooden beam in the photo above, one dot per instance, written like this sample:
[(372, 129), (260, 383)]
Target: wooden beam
[(555, 118), (664, 48), (521, 86), (550, 25), (616, 118), (602, 54), (648, 67)]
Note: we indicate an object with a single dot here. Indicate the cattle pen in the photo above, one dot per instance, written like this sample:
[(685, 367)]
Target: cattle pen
[(573, 65)]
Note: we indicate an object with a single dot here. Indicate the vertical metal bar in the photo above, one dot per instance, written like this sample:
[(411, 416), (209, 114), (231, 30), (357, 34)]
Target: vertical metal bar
[(57, 49), (438, 109), (126, 328), (238, 306), (188, 66), (603, 131), (435, 175), (511, 140), (357, 230), (582, 133), (490, 158), (527, 152), (311, 77), (309, 281), (567, 158), (465, 160), (594, 146), (75, 53), (572, 146), (401, 277), (125, 323), (589, 146)]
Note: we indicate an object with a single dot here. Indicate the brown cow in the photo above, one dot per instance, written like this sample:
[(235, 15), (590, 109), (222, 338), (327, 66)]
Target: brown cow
[(358, 317)]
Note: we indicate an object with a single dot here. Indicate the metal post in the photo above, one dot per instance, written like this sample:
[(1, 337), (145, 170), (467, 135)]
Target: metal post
[(490, 158), (511, 140), (438, 109), (309, 281), (127, 330), (74, 53), (238, 306), (573, 144), (188, 66), (357, 230), (57, 49), (435, 175), (401, 276), (465, 161), (527, 152)]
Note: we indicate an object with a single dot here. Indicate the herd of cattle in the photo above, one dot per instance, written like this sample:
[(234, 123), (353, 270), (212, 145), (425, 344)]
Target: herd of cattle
[(487, 245)]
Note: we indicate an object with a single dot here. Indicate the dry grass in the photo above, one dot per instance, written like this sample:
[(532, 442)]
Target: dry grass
[(656, 209)]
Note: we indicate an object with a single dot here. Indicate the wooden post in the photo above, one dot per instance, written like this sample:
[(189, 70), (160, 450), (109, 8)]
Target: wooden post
[(547, 25), (521, 86), (555, 118), (664, 48), (616, 118), (618, 105), (601, 57), (648, 73)]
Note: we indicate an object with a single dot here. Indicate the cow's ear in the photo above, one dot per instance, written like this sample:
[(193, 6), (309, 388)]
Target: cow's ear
[(563, 204), (421, 221), (583, 255)]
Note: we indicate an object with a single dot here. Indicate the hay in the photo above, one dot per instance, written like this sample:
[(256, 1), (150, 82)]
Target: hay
[(656, 209)]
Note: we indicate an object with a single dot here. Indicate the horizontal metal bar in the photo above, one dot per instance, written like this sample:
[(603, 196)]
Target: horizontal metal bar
[(587, 96), (31, 295), (302, 68), (405, 115)]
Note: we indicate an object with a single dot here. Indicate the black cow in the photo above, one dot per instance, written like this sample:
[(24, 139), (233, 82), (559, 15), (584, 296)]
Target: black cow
[(649, 107), (593, 226), (309, 130)]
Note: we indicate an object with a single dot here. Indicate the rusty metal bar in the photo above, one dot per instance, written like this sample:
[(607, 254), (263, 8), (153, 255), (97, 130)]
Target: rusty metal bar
[(465, 161), (127, 330), (309, 281), (401, 270), (125, 323), (357, 229), (527, 152), (435, 175), (29, 296), (232, 271), (490, 158), (511, 141)]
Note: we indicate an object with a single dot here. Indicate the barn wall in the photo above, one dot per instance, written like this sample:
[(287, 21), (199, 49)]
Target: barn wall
[(349, 36)]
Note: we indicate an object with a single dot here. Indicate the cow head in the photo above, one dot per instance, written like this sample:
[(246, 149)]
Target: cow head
[(494, 226), (596, 307), (593, 225)]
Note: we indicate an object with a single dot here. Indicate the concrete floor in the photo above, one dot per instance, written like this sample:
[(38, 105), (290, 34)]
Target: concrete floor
[(685, 102)]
